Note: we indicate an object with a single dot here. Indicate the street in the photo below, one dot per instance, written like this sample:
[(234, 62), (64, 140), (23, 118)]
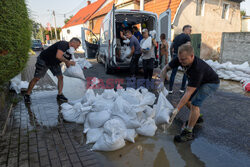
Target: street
[(38, 135)]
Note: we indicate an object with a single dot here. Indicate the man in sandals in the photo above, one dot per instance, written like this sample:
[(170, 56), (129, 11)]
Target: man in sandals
[(202, 82)]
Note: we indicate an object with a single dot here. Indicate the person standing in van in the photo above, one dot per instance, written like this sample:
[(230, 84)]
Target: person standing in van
[(148, 55), (137, 33), (135, 53), (179, 40)]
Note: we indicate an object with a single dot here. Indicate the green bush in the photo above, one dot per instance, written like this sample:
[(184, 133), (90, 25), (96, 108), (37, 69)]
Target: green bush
[(15, 38)]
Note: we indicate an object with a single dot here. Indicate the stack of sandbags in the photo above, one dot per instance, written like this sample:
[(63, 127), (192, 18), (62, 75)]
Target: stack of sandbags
[(229, 71), (112, 117)]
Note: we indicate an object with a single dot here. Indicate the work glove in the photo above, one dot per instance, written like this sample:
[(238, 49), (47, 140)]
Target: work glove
[(172, 116)]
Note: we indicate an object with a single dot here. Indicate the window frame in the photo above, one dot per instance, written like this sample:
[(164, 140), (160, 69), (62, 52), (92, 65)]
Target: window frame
[(200, 6), (226, 15)]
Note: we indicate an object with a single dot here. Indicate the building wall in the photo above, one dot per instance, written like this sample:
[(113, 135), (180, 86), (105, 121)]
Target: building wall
[(127, 4), (245, 24), (210, 25), (75, 31), (235, 47)]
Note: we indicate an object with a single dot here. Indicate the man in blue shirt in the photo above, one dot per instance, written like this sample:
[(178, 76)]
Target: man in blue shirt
[(137, 33)]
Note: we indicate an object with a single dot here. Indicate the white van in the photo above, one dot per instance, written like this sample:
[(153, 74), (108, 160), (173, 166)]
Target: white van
[(106, 49)]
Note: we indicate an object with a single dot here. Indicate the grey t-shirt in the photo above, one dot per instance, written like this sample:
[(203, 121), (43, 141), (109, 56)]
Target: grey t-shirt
[(148, 54), (134, 42)]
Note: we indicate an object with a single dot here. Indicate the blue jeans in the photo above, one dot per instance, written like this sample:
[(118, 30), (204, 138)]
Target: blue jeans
[(172, 77), (202, 93)]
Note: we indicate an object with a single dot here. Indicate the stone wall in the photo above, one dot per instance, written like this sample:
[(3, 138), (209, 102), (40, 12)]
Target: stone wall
[(235, 47)]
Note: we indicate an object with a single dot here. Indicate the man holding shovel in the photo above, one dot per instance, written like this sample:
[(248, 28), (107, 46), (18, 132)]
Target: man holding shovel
[(202, 82)]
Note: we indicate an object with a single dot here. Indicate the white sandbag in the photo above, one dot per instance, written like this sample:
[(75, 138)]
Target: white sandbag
[(125, 111), (131, 135), (66, 106), (116, 127), (109, 94), (163, 109), (85, 64), (148, 98), (90, 97), (132, 96), (100, 105), (75, 72), (109, 143), (93, 135), (97, 119), (74, 113), (147, 128)]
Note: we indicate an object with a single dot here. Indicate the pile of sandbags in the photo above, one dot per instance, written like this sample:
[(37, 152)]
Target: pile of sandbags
[(113, 117), (229, 71)]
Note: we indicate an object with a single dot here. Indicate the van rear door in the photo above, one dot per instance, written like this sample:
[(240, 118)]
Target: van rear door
[(89, 43), (165, 25)]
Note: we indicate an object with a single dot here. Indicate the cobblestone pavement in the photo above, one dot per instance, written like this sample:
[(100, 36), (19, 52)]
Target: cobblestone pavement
[(37, 136)]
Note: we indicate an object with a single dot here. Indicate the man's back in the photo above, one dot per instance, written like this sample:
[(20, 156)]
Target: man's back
[(180, 40)]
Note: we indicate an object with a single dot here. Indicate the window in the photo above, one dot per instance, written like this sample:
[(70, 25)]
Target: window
[(225, 11), (200, 7)]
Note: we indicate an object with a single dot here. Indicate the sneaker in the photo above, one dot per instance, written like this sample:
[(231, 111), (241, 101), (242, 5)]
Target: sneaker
[(170, 92), (27, 99), (185, 135), (61, 98), (182, 91)]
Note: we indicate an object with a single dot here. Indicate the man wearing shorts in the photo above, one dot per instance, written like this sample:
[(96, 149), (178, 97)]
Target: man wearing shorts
[(50, 59), (202, 82)]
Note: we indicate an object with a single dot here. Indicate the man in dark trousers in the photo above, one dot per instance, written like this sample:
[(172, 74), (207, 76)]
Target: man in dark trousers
[(135, 52), (50, 59), (178, 41), (202, 82)]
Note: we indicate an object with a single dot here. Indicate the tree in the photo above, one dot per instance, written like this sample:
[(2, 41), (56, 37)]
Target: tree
[(242, 13), (15, 41), (66, 20)]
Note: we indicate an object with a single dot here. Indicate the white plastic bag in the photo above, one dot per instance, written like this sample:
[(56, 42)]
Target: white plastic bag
[(74, 113), (93, 135), (115, 126), (83, 63), (163, 109), (97, 119), (131, 135), (146, 44), (109, 143), (147, 128), (124, 110), (75, 72)]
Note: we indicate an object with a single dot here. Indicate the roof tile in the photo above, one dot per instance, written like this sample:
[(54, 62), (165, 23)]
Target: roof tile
[(84, 14)]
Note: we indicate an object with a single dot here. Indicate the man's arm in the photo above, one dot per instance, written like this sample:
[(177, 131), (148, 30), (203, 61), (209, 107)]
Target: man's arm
[(186, 97), (165, 69), (59, 56)]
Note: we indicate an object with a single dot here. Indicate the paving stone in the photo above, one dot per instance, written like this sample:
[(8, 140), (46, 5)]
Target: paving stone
[(63, 156), (12, 161), (74, 158), (44, 160), (55, 163), (24, 163), (3, 158), (66, 164), (77, 164)]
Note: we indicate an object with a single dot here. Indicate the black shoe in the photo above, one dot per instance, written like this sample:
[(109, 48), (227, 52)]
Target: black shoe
[(61, 98), (27, 99), (184, 136)]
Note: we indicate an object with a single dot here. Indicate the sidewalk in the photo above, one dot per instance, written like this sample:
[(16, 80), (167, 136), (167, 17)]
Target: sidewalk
[(38, 136)]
